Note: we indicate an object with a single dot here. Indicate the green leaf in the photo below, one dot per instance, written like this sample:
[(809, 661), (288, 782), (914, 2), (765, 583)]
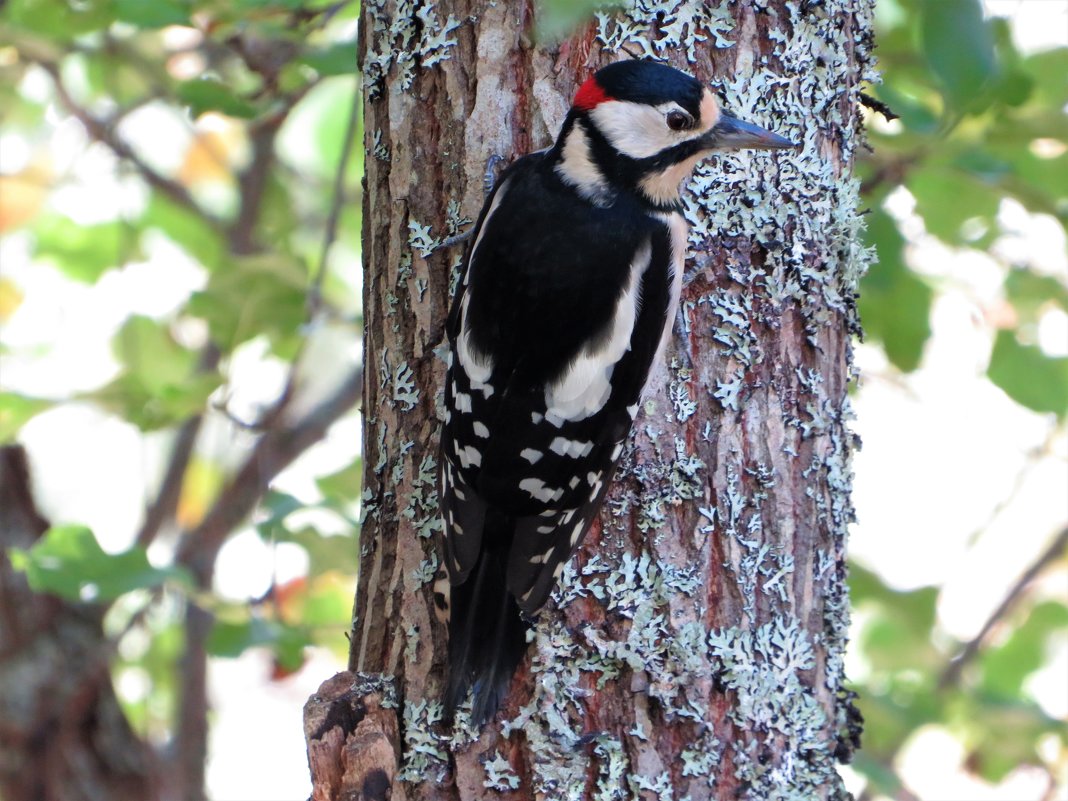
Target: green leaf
[(337, 59), (57, 19), (231, 639), (15, 410), (897, 636), (146, 348), (188, 230), (1028, 376), (159, 407), (1049, 71), (209, 94), (894, 303), (1004, 735), (161, 384), (85, 252), (68, 561), (344, 485), (1030, 292), (916, 111), (959, 47), (1005, 667), (256, 295), (152, 13), (947, 198)]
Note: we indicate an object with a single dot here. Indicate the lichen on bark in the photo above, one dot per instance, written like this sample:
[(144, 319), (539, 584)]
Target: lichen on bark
[(694, 647)]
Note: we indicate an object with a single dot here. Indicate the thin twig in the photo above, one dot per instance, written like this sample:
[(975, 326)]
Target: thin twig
[(315, 290), (274, 451), (103, 131), (1034, 456), (1055, 551), (878, 106), (170, 491)]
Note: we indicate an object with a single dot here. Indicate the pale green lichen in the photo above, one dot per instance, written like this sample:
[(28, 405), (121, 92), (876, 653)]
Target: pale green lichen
[(404, 390), (425, 753), (404, 35), (499, 774), (419, 238)]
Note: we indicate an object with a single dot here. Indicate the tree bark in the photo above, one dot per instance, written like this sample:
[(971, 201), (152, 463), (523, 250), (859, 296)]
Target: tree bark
[(63, 735), (694, 648)]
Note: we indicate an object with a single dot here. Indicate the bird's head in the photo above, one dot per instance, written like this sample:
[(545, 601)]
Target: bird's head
[(642, 126)]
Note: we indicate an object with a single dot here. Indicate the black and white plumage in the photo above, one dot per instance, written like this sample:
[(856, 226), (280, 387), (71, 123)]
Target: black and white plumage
[(563, 308)]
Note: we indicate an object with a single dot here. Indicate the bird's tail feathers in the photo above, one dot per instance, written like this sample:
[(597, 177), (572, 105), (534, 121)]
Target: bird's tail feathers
[(487, 633)]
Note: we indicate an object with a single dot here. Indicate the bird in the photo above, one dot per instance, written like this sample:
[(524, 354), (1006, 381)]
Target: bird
[(564, 305)]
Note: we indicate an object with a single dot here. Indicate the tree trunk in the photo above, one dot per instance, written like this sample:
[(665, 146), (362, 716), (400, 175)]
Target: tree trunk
[(694, 648), (63, 735)]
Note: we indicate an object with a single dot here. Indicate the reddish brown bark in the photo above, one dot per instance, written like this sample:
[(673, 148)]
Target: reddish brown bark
[(705, 622)]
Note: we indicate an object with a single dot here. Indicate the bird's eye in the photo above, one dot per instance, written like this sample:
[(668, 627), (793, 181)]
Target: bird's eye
[(678, 120)]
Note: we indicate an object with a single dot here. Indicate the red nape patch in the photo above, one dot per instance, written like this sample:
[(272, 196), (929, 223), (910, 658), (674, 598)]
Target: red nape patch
[(589, 95)]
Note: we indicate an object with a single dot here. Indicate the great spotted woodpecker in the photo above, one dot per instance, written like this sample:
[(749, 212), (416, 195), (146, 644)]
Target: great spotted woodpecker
[(564, 305)]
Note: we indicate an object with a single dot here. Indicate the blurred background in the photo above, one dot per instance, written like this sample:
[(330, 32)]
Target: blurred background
[(186, 172)]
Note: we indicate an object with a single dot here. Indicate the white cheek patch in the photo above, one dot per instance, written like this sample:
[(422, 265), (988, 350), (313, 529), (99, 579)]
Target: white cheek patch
[(587, 384), (639, 130)]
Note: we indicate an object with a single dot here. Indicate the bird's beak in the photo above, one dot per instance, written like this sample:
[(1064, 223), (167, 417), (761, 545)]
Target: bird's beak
[(731, 133)]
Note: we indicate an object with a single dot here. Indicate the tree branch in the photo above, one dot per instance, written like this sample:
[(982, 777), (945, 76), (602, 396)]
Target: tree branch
[(1055, 551), (103, 131), (275, 451)]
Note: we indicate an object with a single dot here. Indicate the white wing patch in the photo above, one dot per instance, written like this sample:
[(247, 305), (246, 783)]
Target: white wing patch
[(478, 366), (587, 384)]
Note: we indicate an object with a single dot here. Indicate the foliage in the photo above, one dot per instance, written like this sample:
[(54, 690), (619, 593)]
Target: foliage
[(981, 126), (197, 143)]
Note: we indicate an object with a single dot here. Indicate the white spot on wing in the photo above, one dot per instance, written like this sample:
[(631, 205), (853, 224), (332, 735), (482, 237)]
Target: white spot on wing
[(678, 229), (577, 532), (469, 457), (537, 489), (462, 401), (570, 447), (531, 455), (478, 366), (480, 429)]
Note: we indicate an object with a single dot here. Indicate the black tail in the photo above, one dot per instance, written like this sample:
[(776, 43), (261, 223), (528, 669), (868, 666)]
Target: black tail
[(487, 634)]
